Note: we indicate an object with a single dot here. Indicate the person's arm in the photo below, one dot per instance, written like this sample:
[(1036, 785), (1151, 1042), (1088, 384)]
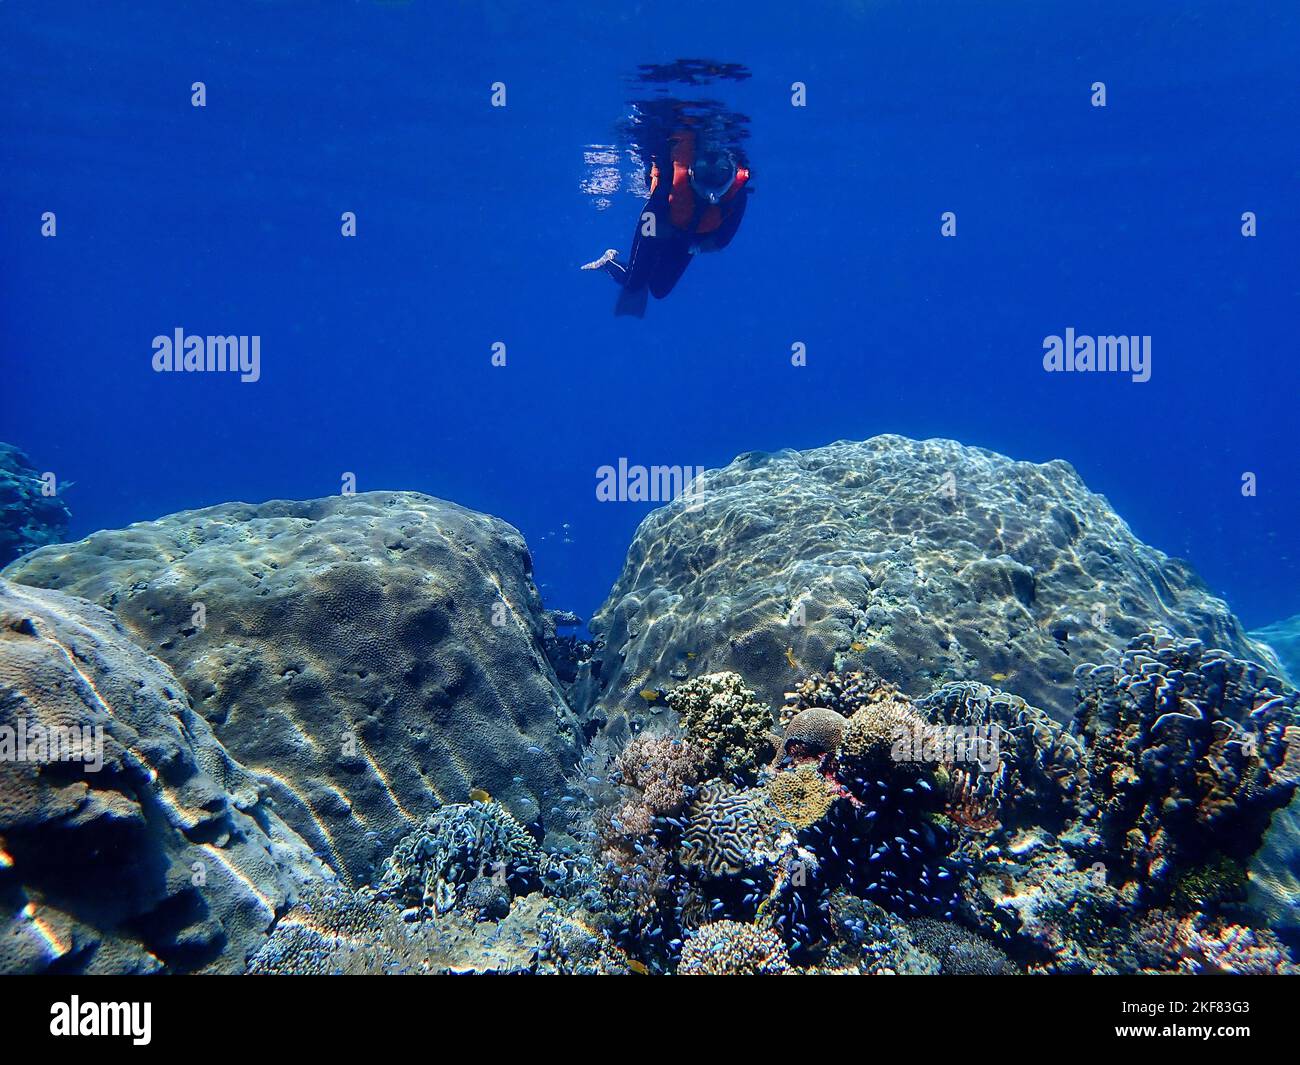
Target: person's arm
[(721, 237)]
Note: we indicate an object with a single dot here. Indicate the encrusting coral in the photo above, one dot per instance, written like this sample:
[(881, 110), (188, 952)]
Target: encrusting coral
[(802, 795)]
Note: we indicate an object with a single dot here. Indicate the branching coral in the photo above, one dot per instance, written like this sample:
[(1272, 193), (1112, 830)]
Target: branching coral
[(661, 769), (1189, 753), (729, 948)]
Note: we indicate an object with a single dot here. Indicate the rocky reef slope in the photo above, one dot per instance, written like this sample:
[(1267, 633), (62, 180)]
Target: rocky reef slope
[(150, 848), (28, 517), (369, 657), (927, 561)]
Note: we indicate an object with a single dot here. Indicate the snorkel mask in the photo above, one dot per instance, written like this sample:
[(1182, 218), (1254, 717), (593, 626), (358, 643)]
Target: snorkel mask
[(713, 175)]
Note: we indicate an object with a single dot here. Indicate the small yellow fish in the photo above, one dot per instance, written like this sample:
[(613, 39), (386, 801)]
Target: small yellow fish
[(638, 967), (1000, 677), (479, 795), (650, 695), (789, 657), (859, 647), (690, 654)]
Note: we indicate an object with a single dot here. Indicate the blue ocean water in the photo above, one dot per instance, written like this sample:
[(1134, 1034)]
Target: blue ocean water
[(472, 221)]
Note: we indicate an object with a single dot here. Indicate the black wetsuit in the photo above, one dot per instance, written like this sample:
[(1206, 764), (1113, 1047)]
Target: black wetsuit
[(656, 263)]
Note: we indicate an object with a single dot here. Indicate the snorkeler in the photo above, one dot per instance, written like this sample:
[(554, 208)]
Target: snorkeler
[(698, 211)]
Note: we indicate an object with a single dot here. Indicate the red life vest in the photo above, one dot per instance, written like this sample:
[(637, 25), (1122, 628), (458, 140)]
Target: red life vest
[(681, 199)]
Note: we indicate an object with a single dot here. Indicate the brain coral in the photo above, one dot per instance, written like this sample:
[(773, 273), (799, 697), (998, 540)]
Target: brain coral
[(815, 730), (727, 831), (924, 559), (371, 655), (729, 948), (147, 848), (729, 726)]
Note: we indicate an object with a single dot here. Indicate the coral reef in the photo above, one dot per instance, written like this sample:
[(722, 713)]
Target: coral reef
[(29, 517), (130, 840), (432, 869), (934, 800), (966, 832), (802, 795), (369, 655), (729, 726), (814, 731), (926, 560), (727, 948), (334, 931), (1189, 751)]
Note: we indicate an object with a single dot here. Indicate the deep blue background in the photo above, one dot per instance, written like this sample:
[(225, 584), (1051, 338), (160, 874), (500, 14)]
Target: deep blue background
[(472, 222)]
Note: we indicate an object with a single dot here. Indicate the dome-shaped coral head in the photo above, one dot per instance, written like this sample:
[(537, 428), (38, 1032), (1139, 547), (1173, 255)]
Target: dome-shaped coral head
[(811, 734)]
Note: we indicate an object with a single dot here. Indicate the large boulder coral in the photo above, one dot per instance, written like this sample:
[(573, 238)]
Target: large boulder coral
[(372, 656), (925, 560), (29, 516), (130, 841)]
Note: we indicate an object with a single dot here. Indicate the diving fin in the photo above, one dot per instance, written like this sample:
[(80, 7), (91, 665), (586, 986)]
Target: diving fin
[(631, 304)]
